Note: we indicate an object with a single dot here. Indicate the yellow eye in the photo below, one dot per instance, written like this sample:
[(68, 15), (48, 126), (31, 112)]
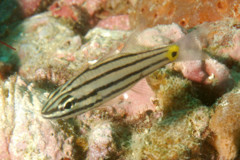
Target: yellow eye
[(173, 52)]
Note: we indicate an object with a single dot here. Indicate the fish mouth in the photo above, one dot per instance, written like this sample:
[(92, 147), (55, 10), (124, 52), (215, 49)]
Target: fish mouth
[(46, 116), (51, 114), (55, 117), (46, 113)]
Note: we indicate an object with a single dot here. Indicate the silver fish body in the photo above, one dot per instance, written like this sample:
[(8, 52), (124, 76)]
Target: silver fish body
[(105, 80)]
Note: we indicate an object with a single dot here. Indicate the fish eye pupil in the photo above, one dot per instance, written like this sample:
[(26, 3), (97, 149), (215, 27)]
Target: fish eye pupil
[(68, 105), (174, 54)]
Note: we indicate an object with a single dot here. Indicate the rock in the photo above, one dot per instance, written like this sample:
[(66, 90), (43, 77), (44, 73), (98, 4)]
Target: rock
[(209, 72), (46, 55), (172, 92), (225, 127), (223, 40), (29, 7), (65, 11), (24, 133), (175, 11), (101, 141), (177, 137), (92, 6), (120, 22)]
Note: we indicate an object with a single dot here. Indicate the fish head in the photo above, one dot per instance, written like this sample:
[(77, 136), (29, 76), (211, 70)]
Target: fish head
[(59, 105)]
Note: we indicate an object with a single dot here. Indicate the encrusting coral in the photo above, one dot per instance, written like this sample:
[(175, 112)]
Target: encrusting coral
[(24, 134), (172, 91), (176, 137), (101, 141), (225, 126), (181, 11)]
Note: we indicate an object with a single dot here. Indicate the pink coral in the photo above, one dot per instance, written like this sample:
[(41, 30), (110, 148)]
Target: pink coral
[(4, 143), (234, 51), (135, 101), (65, 11), (92, 6), (219, 75), (200, 72), (120, 22), (192, 70), (224, 39), (29, 7), (210, 72), (74, 2), (71, 8), (101, 141)]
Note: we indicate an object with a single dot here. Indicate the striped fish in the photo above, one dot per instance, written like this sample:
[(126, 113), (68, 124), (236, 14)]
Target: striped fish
[(105, 80)]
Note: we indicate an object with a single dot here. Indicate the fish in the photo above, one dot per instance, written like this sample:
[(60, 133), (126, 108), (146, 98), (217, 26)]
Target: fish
[(103, 81)]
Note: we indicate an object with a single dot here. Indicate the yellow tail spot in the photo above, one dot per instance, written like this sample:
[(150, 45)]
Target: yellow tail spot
[(173, 52)]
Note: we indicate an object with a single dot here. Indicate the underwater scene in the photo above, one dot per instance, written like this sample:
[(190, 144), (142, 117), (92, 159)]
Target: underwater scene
[(119, 80)]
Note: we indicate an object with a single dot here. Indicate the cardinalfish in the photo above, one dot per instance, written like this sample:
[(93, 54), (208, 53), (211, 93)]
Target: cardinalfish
[(109, 78)]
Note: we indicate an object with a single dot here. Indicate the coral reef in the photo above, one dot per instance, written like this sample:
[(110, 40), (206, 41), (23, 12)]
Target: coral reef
[(29, 8), (183, 111), (209, 72), (120, 22), (225, 127), (65, 11), (101, 141), (181, 12), (24, 133), (41, 40), (132, 104), (92, 6), (172, 92), (177, 137), (81, 12), (224, 40), (47, 55)]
